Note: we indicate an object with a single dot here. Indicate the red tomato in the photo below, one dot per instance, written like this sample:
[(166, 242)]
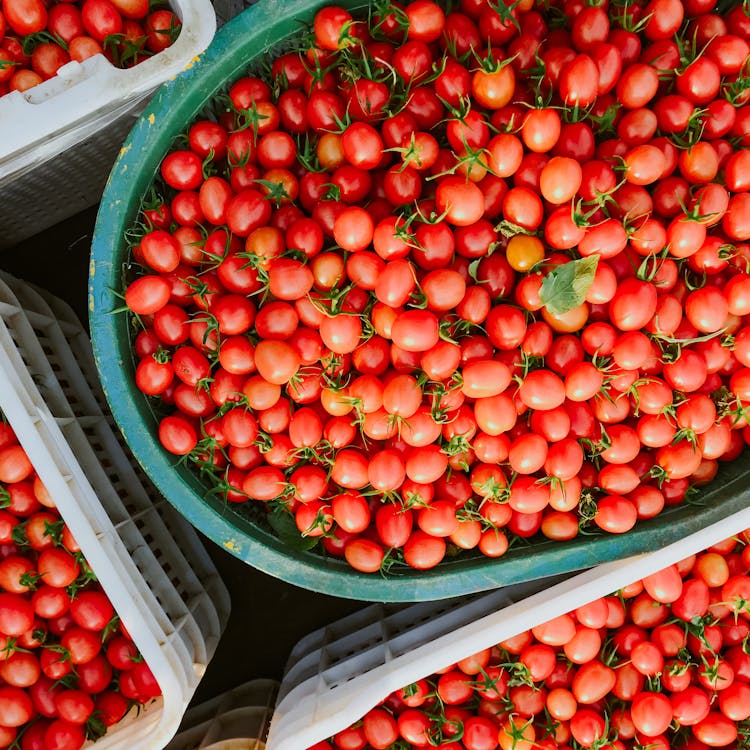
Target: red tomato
[(16, 614), (162, 28), (415, 330), (14, 464), (592, 681), (64, 735), (460, 201), (716, 730), (422, 551), (380, 728), (101, 19), (177, 435), (25, 16), (16, 707)]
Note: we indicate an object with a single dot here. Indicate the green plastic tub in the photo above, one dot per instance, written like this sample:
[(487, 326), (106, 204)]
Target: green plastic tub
[(243, 41)]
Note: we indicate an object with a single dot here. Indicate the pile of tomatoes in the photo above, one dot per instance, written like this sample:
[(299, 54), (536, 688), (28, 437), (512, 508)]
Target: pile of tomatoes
[(38, 37), (69, 670), (663, 663), (447, 278)]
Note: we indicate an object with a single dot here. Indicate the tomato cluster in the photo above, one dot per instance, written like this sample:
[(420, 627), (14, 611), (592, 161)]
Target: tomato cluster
[(38, 37), (68, 667), (457, 278), (663, 663)]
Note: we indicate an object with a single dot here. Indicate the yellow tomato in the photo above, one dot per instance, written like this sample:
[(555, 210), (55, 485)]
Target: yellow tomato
[(524, 251)]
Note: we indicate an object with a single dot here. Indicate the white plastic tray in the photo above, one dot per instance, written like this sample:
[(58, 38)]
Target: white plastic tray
[(59, 331), (150, 563), (85, 96), (339, 673), (59, 140), (235, 720)]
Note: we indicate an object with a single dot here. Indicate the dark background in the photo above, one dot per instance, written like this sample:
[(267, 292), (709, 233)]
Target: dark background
[(268, 616)]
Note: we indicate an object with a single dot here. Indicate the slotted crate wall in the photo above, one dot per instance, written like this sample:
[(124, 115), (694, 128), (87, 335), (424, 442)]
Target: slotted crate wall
[(157, 574)]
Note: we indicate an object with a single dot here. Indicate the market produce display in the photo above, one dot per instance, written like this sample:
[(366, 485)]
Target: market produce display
[(442, 280), (662, 663), (38, 38), (68, 667)]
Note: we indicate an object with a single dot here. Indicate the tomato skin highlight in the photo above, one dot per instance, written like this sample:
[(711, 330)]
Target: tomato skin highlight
[(415, 330), (25, 16), (423, 551), (364, 555), (461, 201), (633, 305), (485, 378)]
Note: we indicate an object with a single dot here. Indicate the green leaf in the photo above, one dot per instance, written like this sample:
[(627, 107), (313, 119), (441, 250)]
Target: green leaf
[(30, 580), (565, 288), (19, 535), (111, 627), (54, 531), (283, 524), (474, 268), (95, 727)]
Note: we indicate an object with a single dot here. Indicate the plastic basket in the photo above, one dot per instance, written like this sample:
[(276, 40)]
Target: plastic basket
[(359, 661), (235, 720), (242, 42), (62, 335), (150, 563), (74, 125)]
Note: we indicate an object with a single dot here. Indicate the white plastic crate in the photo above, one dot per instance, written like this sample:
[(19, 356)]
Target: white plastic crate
[(337, 674), (149, 561), (235, 720), (60, 333), (59, 140)]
